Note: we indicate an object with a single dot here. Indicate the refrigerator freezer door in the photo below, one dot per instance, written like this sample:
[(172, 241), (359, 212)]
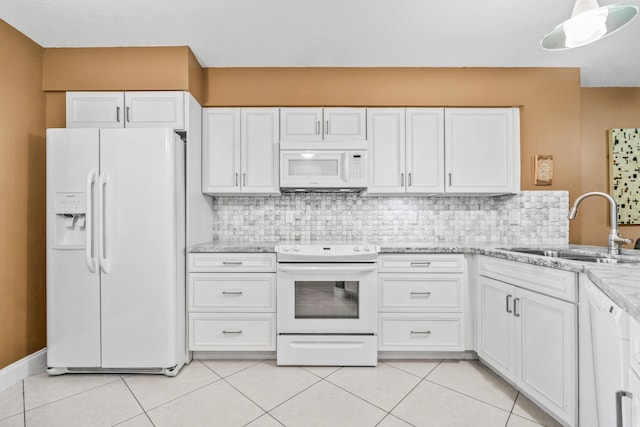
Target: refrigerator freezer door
[(139, 310), (73, 290)]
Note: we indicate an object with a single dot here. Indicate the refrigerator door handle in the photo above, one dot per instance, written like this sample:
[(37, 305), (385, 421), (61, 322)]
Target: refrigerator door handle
[(105, 263), (91, 261)]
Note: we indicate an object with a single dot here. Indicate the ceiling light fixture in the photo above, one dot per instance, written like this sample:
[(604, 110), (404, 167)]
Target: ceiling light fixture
[(588, 23)]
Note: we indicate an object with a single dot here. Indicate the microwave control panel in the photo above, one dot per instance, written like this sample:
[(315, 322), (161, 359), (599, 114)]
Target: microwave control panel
[(358, 169)]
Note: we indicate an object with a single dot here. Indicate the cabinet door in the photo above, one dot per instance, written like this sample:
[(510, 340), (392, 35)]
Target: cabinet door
[(301, 124), (547, 346), (345, 124), (260, 151), (386, 131), (482, 150), (495, 332), (95, 109), (220, 150), (425, 150), (154, 109)]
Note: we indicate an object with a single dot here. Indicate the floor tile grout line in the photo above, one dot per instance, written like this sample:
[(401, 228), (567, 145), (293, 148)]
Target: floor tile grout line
[(359, 397), (267, 414), (410, 391), (421, 377), (279, 404), (511, 411), (233, 373), (464, 394), (181, 396), (139, 404), (71, 395)]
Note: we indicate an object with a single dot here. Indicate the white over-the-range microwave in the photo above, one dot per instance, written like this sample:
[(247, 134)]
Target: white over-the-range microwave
[(304, 167)]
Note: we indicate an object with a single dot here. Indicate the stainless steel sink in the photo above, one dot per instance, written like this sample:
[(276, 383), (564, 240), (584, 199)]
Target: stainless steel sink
[(574, 256)]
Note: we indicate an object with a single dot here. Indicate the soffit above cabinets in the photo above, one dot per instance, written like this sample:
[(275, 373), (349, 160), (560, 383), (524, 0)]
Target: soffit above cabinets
[(334, 33)]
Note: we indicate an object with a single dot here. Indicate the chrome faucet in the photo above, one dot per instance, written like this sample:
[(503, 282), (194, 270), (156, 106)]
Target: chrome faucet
[(614, 240)]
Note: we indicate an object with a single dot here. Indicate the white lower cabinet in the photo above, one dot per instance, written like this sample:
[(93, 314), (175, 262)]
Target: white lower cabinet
[(232, 302), (421, 299), (528, 337)]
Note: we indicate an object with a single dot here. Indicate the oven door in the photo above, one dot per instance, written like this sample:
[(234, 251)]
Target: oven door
[(313, 169), (317, 298)]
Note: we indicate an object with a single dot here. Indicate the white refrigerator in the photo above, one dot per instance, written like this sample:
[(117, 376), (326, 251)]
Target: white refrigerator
[(115, 251)]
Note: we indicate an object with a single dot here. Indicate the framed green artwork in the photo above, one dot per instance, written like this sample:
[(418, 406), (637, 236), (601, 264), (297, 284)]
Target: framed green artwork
[(624, 173)]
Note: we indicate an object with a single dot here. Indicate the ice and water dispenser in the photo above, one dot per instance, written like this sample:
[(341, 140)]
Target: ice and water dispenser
[(70, 211)]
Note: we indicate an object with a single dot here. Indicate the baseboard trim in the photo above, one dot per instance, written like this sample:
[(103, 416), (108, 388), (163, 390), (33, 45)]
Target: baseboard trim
[(23, 368)]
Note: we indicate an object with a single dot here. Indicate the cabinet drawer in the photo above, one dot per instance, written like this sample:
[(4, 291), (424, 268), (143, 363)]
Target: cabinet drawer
[(236, 292), (420, 292), (421, 332), (421, 263), (221, 332), (232, 262), (549, 281)]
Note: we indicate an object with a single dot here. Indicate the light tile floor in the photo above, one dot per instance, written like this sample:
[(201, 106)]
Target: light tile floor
[(229, 393)]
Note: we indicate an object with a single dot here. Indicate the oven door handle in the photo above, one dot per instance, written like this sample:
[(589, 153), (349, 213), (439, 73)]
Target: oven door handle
[(324, 268)]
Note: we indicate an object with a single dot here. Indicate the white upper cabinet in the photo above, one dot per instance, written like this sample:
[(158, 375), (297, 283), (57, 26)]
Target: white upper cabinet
[(425, 150), (443, 150), (259, 150), (126, 109), (220, 150), (322, 124), (240, 151), (482, 150), (406, 150), (386, 132), (95, 109), (154, 109)]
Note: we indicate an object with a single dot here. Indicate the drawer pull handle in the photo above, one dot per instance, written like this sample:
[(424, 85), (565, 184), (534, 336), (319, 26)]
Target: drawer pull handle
[(231, 262), (508, 304), (420, 263), (420, 332), (232, 332), (420, 294), (515, 307), (231, 292)]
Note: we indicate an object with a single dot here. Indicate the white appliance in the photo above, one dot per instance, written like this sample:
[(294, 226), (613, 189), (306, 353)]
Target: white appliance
[(327, 305), (304, 168), (115, 251), (610, 338)]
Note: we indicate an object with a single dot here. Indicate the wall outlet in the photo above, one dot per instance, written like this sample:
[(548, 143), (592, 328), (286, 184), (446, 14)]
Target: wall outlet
[(288, 217), (514, 217)]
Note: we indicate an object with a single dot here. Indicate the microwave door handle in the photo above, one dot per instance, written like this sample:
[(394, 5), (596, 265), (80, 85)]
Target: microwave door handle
[(345, 168)]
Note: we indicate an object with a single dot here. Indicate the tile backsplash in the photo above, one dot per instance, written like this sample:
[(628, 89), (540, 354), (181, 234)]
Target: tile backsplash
[(531, 217)]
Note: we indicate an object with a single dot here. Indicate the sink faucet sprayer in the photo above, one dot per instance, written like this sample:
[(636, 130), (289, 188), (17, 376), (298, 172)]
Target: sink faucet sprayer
[(614, 240)]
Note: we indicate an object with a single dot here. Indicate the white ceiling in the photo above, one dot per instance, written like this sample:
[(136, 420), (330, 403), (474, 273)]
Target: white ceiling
[(336, 33)]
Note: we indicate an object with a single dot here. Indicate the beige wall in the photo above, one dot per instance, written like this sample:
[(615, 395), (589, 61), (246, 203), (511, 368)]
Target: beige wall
[(117, 68), (22, 186), (603, 109), (549, 99)]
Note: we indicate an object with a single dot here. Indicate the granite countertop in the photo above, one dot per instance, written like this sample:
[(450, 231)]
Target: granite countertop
[(621, 282)]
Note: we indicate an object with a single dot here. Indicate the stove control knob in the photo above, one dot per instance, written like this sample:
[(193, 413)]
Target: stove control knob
[(356, 248), (285, 248), (367, 249), (296, 248)]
